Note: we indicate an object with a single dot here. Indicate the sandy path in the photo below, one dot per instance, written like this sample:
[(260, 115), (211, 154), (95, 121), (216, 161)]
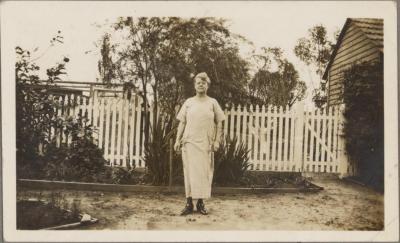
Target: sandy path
[(341, 206)]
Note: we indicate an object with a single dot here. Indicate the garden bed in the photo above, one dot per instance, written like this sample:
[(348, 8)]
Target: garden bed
[(35, 214), (271, 179), (254, 182)]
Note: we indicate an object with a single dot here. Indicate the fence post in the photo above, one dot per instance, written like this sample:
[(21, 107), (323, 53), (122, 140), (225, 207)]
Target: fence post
[(298, 142), (343, 159)]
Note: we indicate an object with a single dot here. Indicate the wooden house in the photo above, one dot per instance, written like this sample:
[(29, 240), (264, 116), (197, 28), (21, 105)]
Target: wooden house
[(360, 40)]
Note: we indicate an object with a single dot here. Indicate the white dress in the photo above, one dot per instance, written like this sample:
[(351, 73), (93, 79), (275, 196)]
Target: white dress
[(201, 117)]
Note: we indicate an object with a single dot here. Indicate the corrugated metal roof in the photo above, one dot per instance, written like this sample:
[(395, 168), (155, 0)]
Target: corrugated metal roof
[(372, 28)]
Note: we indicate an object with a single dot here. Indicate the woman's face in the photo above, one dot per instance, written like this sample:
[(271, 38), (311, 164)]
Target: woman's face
[(201, 85)]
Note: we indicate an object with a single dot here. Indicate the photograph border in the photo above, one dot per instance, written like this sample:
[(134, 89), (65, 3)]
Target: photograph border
[(391, 101)]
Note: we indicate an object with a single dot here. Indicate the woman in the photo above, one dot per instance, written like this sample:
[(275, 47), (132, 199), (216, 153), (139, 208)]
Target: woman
[(198, 136)]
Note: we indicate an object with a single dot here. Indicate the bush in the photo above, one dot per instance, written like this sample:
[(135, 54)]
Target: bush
[(363, 97), (156, 155), (34, 112), (123, 175), (231, 162), (81, 160)]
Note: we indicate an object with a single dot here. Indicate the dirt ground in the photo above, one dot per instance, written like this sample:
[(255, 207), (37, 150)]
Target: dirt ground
[(340, 206)]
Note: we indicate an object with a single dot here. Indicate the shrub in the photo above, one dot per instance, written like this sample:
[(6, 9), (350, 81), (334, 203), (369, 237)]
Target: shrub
[(81, 160), (123, 175), (231, 162), (34, 112), (156, 155), (363, 97)]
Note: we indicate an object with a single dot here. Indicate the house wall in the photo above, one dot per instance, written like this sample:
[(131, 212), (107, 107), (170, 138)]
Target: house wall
[(355, 47)]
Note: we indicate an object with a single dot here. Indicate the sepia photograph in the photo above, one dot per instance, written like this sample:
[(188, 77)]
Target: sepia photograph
[(199, 121)]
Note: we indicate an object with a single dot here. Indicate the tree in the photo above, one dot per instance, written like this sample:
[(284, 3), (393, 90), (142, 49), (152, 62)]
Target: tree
[(314, 50), (280, 87), (105, 65), (158, 56), (206, 45)]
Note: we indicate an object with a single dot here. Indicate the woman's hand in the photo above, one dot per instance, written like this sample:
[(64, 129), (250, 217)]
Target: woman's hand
[(214, 146), (177, 146)]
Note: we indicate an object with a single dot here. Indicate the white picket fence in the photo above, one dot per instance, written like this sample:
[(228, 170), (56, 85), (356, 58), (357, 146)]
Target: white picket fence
[(118, 125), (283, 139), (279, 138)]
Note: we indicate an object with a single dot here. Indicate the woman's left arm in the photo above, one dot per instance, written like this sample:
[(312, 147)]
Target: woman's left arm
[(219, 117), (217, 138)]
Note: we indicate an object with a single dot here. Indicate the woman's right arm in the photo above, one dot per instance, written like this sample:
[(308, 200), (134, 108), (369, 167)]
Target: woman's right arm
[(181, 127)]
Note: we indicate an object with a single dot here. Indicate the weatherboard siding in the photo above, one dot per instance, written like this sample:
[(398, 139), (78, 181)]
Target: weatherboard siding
[(354, 48)]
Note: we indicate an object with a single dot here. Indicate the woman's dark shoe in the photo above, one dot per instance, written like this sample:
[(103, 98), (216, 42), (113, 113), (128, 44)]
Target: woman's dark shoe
[(201, 208), (187, 210)]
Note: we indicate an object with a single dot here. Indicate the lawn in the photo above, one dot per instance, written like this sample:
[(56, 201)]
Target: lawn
[(340, 206)]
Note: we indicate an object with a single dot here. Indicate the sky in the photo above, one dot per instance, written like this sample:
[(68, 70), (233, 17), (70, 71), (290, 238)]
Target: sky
[(269, 24)]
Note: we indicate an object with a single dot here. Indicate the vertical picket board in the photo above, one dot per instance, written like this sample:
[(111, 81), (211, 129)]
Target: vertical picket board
[(312, 116), (72, 113), (113, 130), (286, 140), (52, 130), (72, 105), (90, 111), (69, 114), (150, 113), (292, 143), (65, 115), (263, 139), (85, 109), (274, 137), (257, 137), (279, 151), (107, 134), (324, 136), (329, 144), (77, 107), (238, 123), (59, 114), (95, 109), (138, 131), (126, 122), (268, 137), (307, 138), (335, 136), (101, 121), (245, 136), (317, 144), (132, 121), (250, 137), (232, 122), (338, 140), (120, 105)]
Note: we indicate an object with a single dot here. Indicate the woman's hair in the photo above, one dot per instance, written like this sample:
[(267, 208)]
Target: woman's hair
[(202, 76)]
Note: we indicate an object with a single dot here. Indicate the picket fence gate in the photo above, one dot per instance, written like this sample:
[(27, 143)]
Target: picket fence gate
[(278, 138)]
